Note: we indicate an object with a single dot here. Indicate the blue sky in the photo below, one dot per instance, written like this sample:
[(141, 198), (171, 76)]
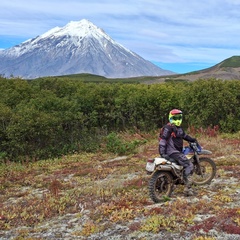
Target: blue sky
[(177, 35)]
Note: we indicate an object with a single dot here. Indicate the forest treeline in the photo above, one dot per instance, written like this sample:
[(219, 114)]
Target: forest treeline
[(49, 117)]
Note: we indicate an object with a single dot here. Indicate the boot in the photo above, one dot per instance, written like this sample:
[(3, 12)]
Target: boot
[(188, 191)]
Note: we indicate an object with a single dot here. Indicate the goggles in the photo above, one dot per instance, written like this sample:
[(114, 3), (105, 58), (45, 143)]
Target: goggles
[(177, 117)]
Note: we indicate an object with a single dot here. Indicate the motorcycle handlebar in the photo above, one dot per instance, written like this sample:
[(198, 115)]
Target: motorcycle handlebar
[(194, 146)]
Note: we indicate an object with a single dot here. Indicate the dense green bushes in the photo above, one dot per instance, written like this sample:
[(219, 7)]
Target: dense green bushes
[(49, 117), (214, 102)]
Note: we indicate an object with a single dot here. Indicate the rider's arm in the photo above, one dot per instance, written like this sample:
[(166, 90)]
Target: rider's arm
[(189, 138), (164, 140)]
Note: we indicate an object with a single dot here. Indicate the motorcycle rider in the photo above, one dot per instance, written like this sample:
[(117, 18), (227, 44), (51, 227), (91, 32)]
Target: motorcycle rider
[(171, 146)]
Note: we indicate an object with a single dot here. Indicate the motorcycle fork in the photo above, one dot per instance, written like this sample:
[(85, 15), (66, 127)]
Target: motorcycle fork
[(199, 169)]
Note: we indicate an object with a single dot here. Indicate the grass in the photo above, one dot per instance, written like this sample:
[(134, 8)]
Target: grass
[(110, 191), (233, 62)]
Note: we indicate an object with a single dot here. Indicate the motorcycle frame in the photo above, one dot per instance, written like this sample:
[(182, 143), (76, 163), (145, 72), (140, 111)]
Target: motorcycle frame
[(169, 168)]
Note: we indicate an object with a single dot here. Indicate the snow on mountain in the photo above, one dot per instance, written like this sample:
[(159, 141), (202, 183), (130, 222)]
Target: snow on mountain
[(78, 47)]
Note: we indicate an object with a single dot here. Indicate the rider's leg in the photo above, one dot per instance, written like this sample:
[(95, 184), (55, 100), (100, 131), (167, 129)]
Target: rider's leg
[(188, 191), (188, 168)]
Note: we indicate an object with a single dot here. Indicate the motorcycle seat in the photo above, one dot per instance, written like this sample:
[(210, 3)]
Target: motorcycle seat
[(173, 161)]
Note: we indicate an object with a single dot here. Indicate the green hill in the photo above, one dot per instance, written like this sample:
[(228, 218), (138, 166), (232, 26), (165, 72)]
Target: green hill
[(232, 62), (90, 78)]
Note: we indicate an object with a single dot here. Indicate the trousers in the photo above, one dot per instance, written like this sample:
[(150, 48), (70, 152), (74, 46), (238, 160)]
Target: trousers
[(183, 161)]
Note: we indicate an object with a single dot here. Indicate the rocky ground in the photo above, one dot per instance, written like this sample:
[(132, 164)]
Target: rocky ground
[(97, 196)]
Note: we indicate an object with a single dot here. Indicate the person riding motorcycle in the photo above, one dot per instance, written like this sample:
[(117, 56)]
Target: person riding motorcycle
[(171, 146)]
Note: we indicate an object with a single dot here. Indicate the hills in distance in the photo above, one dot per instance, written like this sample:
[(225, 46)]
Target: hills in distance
[(78, 47), (228, 69)]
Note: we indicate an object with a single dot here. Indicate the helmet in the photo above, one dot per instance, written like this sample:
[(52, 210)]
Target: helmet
[(175, 117)]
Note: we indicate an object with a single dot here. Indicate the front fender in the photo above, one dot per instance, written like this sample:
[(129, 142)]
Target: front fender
[(206, 152)]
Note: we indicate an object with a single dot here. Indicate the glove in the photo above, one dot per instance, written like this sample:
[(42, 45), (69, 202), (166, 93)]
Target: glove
[(194, 140), (165, 156)]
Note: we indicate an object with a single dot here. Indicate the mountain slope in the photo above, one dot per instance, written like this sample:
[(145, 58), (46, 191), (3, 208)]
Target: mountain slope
[(228, 69), (78, 47)]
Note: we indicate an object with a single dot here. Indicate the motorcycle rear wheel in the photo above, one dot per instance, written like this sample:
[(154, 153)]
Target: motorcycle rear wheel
[(209, 170), (160, 186)]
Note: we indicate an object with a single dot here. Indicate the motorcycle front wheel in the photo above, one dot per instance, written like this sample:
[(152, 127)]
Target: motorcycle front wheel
[(208, 169), (160, 186)]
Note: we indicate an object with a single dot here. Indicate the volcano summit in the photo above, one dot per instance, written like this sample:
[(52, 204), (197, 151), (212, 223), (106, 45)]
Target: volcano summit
[(78, 47)]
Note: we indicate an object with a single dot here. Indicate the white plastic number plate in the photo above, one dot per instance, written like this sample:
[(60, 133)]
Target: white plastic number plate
[(150, 166)]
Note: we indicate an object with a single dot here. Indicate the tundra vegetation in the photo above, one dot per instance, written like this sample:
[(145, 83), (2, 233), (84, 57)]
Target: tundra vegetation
[(73, 158)]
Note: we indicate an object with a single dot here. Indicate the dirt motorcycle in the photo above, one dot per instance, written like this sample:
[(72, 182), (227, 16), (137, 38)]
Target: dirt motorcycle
[(166, 174)]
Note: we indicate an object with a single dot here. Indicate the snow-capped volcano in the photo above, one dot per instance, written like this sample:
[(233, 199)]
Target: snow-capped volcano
[(78, 47)]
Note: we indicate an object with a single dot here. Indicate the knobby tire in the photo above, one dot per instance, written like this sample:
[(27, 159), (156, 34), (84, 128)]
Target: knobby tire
[(160, 186), (209, 170)]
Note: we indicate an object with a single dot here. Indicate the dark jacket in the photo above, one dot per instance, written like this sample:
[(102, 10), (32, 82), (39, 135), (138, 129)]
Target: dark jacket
[(171, 140)]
